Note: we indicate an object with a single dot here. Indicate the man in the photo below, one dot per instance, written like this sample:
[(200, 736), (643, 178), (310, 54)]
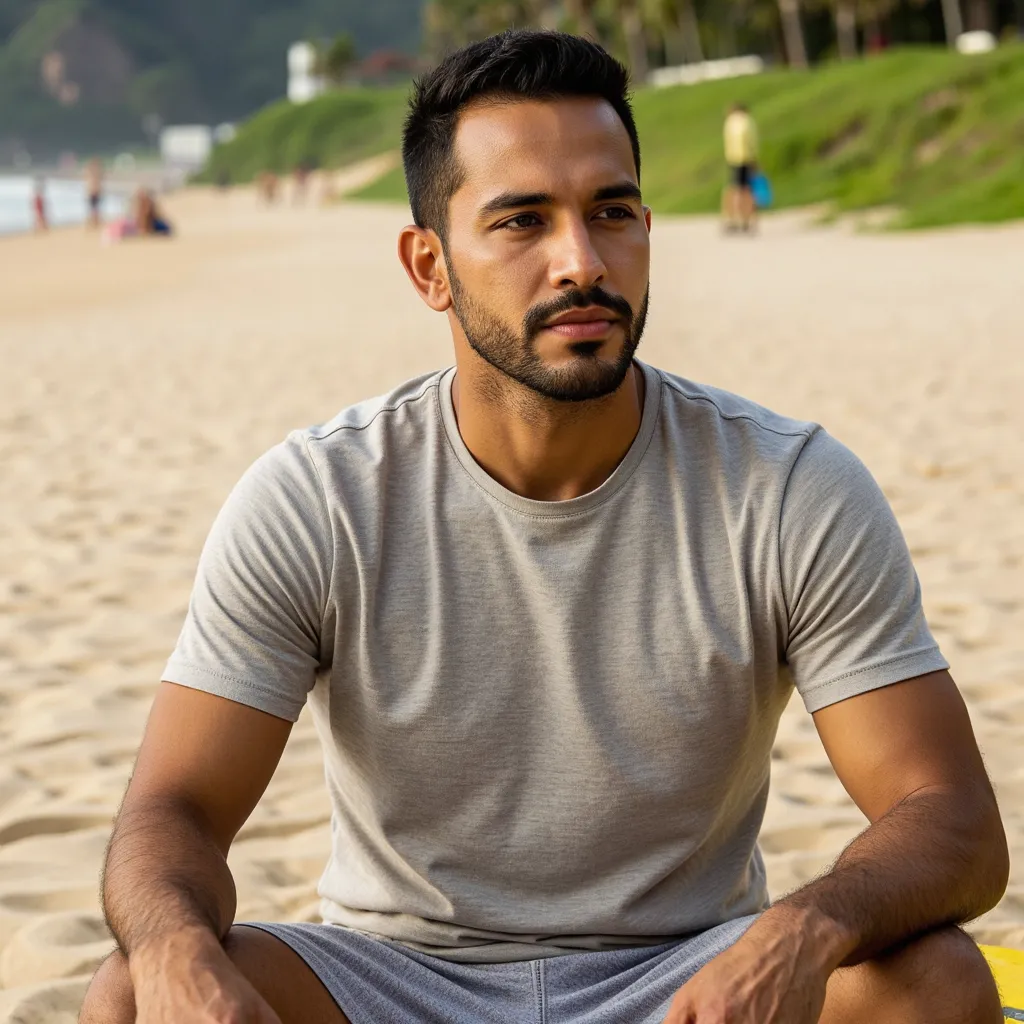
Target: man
[(94, 191), (741, 144), (546, 606), (40, 219)]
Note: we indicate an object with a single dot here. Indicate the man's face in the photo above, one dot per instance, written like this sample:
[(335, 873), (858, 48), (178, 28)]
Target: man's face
[(547, 245)]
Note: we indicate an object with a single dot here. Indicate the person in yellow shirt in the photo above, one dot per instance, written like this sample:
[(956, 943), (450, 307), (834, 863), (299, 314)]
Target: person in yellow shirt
[(741, 144)]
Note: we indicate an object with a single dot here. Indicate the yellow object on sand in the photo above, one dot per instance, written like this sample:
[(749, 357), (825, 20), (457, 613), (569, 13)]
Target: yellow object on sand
[(1008, 967)]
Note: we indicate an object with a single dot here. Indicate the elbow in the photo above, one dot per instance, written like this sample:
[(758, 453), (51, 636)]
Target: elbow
[(991, 863), (999, 870)]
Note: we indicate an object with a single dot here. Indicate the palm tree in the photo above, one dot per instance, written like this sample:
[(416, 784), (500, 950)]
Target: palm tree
[(444, 25), (545, 14), (872, 13), (681, 30), (632, 21), (336, 59), (793, 33), (845, 13), (582, 14), (953, 20)]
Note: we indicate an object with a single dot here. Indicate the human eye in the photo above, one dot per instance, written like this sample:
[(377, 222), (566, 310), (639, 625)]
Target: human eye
[(616, 213), (521, 222)]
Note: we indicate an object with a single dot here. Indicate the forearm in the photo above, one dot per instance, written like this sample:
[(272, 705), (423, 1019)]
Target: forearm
[(935, 859), (166, 880)]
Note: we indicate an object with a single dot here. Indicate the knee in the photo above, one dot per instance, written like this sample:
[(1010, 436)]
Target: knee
[(952, 972), (110, 998), (940, 978)]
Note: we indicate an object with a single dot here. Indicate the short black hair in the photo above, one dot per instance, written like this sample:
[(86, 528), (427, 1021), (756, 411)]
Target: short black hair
[(516, 65)]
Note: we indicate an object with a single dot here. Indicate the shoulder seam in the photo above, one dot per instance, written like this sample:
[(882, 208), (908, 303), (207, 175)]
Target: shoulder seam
[(326, 515), (387, 408), (778, 530), (805, 431)]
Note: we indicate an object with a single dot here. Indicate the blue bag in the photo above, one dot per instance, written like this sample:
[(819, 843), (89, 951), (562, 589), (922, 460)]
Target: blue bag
[(761, 189)]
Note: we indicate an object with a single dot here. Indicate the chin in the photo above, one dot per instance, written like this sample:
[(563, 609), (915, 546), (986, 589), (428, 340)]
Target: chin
[(590, 349), (582, 379)]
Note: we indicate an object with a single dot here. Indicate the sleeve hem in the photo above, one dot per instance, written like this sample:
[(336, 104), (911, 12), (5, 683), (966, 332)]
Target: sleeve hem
[(241, 691), (874, 677)]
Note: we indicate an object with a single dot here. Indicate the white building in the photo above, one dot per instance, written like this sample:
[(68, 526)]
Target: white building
[(976, 42), (706, 71), (303, 82), (186, 147)]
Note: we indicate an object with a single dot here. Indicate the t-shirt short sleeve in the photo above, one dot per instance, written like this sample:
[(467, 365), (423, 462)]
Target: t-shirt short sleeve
[(855, 621), (253, 628)]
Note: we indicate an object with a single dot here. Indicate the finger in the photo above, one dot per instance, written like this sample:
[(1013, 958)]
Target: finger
[(681, 1012)]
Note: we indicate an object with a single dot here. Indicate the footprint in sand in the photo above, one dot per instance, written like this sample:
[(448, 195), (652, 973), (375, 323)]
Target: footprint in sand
[(61, 945), (51, 824), (52, 1002), (49, 900), (19, 909)]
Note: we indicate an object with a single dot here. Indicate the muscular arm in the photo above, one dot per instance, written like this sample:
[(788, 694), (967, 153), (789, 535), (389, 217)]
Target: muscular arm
[(204, 763), (935, 852)]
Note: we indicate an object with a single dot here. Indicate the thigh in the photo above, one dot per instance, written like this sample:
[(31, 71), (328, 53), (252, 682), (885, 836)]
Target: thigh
[(376, 981), (634, 985), (282, 977)]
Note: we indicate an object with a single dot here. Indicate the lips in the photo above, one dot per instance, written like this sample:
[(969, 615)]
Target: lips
[(593, 322), (591, 314)]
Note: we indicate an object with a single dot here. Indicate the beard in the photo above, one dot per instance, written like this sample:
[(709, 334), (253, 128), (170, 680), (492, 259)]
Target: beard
[(588, 376)]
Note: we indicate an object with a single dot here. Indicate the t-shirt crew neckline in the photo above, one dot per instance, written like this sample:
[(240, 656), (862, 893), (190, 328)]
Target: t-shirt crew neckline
[(573, 506)]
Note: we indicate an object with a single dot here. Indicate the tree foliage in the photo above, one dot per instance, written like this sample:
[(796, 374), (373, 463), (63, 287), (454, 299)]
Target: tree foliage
[(193, 60), (335, 60), (646, 33)]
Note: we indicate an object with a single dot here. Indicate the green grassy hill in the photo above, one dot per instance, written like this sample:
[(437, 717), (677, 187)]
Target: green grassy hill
[(938, 135), (333, 130)]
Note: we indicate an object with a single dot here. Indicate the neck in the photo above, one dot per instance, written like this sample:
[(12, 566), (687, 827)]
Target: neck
[(539, 448)]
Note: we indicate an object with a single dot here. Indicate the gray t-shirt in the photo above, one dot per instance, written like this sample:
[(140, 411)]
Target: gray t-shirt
[(547, 726)]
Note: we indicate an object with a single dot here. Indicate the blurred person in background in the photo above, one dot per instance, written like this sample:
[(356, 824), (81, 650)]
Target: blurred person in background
[(94, 191), (547, 607), (300, 181), (741, 151), (267, 184), (149, 218), (145, 218), (40, 220)]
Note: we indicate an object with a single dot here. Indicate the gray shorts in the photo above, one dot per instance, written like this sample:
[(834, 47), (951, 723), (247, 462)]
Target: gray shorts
[(380, 982)]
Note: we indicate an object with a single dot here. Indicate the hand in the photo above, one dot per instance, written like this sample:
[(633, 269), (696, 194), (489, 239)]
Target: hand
[(192, 979), (775, 974)]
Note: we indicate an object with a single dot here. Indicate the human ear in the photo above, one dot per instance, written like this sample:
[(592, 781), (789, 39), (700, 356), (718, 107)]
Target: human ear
[(647, 218), (419, 250)]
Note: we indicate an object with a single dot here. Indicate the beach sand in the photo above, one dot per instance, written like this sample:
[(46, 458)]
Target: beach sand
[(140, 380)]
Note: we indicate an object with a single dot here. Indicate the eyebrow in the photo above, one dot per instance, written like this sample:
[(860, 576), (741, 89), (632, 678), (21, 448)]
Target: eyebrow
[(517, 200), (624, 190)]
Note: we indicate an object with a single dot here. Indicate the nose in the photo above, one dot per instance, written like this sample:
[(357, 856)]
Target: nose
[(574, 260)]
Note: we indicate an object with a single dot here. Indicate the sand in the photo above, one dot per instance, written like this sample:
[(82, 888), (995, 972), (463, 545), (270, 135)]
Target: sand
[(139, 380)]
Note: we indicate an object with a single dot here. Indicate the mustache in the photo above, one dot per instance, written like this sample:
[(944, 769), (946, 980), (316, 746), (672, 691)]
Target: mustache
[(575, 298)]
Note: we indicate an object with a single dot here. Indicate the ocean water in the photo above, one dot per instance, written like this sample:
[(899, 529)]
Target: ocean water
[(65, 203)]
